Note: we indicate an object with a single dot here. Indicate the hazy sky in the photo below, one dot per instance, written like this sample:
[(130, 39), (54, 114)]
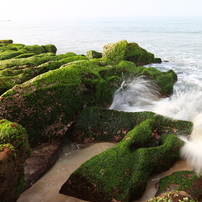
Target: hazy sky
[(32, 9)]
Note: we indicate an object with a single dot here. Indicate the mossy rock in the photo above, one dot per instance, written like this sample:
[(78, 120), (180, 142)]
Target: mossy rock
[(97, 124), (15, 135), (187, 181), (10, 47), (91, 54), (121, 173), (26, 66), (7, 41), (39, 49), (14, 149), (123, 50)]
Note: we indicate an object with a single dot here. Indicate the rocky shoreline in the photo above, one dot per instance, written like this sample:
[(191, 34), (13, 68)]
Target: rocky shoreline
[(48, 98)]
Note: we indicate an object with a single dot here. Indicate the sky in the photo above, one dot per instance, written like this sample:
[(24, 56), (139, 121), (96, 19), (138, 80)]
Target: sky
[(60, 9)]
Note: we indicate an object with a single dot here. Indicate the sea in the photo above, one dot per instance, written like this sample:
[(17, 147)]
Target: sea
[(176, 40)]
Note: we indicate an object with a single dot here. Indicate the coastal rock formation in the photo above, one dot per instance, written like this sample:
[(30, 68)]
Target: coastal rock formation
[(121, 173), (46, 93), (123, 50), (14, 149)]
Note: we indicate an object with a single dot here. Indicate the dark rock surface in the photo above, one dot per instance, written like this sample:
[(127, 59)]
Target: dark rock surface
[(41, 159)]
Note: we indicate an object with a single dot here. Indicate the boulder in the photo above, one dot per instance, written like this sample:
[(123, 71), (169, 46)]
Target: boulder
[(14, 149), (6, 41), (121, 173), (123, 50), (91, 54), (99, 125), (40, 161)]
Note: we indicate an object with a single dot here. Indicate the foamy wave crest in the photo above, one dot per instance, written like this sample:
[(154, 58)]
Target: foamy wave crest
[(192, 153), (192, 149), (135, 95), (141, 94)]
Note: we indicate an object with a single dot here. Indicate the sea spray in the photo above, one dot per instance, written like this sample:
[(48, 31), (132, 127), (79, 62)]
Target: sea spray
[(135, 95), (140, 94)]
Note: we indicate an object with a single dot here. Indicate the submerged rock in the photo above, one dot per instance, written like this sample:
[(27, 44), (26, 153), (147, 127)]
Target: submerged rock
[(14, 149), (121, 173)]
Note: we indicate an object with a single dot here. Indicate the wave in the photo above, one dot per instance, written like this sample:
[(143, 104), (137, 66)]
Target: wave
[(141, 94)]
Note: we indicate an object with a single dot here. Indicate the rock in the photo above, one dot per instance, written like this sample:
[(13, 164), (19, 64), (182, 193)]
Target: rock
[(9, 41), (40, 161), (174, 196), (157, 60), (123, 50), (14, 149), (91, 54), (97, 124), (187, 181), (121, 173)]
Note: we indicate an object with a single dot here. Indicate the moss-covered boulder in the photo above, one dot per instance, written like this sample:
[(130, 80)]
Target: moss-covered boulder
[(97, 124), (6, 41), (187, 181), (91, 54), (123, 50), (121, 173), (14, 149)]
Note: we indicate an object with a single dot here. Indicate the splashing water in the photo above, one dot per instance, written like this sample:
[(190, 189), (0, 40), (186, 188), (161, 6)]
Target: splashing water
[(141, 94)]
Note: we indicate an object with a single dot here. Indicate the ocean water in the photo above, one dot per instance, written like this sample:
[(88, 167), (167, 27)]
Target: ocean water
[(177, 40)]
